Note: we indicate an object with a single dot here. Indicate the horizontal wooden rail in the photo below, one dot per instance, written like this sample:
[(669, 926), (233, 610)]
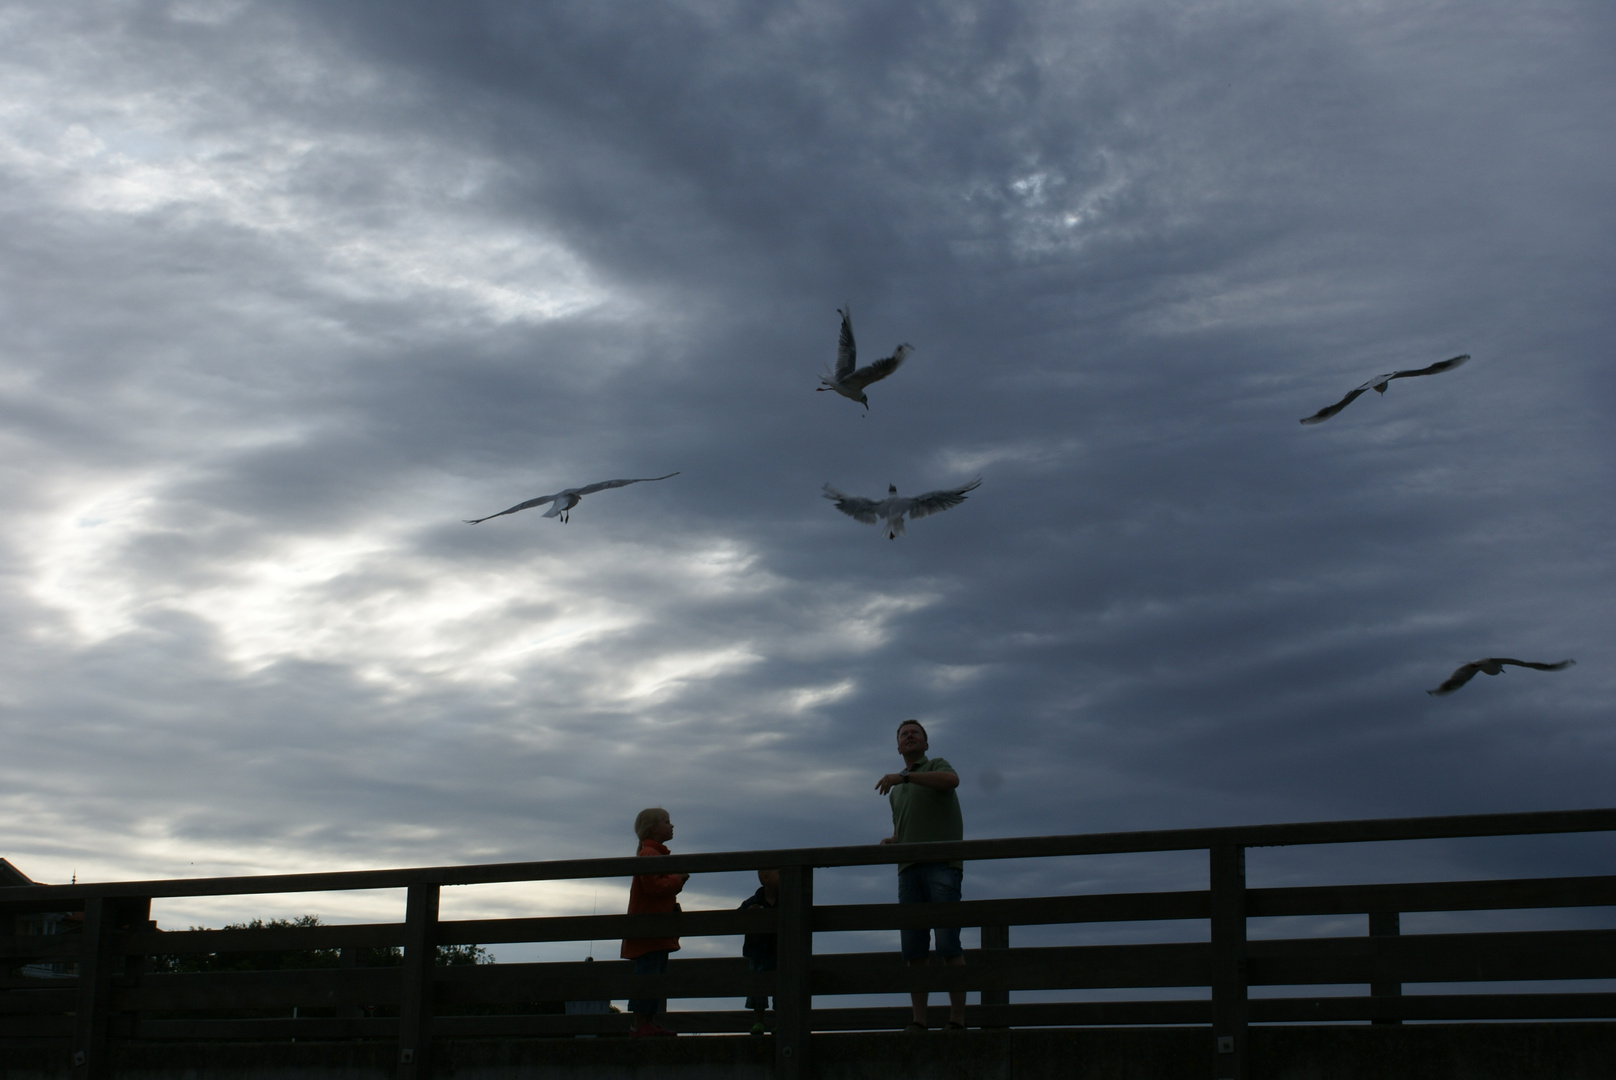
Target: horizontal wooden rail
[(1505, 956), (1295, 1010), (37, 1001), (1489, 957), (26, 948), (1032, 911), (1446, 1007), (30, 897), (468, 932), (1519, 893), (1521, 956), (1109, 907)]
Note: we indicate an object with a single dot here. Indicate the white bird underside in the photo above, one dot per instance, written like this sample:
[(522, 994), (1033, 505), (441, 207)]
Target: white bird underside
[(566, 500), (894, 508), (1493, 665), (850, 381), (1378, 385)]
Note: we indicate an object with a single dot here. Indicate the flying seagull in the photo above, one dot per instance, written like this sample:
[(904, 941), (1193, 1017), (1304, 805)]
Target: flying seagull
[(892, 509), (1378, 385), (566, 500), (1493, 665), (847, 381)]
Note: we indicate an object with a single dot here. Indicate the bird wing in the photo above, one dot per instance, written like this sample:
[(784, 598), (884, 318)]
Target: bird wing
[(1435, 369), (935, 502), (590, 489), (854, 507), (1461, 675), (1379, 382), (540, 501), (1330, 410), (846, 351), (1561, 666), (879, 370)]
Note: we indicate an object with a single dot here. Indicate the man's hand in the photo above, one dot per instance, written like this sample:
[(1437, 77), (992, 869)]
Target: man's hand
[(893, 839), (889, 781)]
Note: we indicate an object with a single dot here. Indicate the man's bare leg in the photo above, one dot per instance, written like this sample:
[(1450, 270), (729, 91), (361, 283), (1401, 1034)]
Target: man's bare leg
[(956, 998), (917, 998)]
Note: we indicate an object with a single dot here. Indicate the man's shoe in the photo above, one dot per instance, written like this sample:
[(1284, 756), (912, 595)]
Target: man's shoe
[(954, 1025), (915, 1028), (758, 1029)]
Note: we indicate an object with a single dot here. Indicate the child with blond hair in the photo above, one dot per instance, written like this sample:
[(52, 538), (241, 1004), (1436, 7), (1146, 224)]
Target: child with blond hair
[(652, 893)]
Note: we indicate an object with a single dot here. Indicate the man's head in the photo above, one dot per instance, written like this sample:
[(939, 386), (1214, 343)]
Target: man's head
[(912, 738), (769, 879)]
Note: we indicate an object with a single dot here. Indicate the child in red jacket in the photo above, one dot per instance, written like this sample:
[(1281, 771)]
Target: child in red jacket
[(652, 893)]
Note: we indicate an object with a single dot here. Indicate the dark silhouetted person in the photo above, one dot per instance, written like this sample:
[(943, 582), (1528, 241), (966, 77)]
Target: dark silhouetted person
[(761, 950), (652, 893), (925, 808)]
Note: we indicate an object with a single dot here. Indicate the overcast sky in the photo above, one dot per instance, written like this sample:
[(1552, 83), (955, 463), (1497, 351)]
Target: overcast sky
[(291, 290)]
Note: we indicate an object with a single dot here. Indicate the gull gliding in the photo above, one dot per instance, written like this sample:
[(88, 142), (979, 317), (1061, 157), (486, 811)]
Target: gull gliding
[(1493, 665), (1378, 385), (566, 500), (892, 508)]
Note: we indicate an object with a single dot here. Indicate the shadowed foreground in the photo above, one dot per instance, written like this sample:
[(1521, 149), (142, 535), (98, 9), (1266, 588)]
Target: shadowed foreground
[(1570, 1051)]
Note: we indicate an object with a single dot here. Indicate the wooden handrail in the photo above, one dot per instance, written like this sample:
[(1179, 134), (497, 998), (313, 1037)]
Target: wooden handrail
[(1036, 847)]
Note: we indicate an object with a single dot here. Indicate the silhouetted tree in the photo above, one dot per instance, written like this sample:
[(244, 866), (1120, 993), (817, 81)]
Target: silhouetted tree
[(288, 959)]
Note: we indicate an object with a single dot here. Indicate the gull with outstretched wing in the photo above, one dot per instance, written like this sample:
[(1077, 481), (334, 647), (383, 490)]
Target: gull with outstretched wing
[(1493, 665), (850, 381), (566, 500), (1378, 385), (892, 509)]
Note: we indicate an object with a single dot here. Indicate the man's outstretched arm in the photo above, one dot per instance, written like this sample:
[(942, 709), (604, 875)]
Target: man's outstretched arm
[(937, 781)]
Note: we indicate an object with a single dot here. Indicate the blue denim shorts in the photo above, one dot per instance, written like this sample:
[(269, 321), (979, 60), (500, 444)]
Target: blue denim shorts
[(651, 963), (930, 883)]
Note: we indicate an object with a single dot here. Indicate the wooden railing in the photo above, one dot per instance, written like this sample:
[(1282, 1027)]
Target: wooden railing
[(115, 996)]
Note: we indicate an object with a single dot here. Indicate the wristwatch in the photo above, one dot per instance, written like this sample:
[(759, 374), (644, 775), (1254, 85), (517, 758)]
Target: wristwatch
[(905, 775)]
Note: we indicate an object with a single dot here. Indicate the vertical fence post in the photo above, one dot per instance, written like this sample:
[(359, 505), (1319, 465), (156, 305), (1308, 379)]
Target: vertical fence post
[(99, 965), (793, 989), (1229, 962), (348, 960), (415, 1006), (90, 1012), (1383, 984), (135, 915), (994, 938)]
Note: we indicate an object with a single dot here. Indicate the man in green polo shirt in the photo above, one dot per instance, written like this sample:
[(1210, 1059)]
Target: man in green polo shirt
[(925, 807)]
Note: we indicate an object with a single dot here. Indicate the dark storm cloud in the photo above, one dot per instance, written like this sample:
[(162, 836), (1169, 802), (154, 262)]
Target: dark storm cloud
[(300, 289)]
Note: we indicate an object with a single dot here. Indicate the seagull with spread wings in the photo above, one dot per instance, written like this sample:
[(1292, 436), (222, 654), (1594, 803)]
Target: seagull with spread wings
[(849, 381), (892, 509), (1378, 385), (566, 500), (1493, 665)]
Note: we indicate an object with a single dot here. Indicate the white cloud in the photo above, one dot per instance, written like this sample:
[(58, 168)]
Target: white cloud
[(420, 233)]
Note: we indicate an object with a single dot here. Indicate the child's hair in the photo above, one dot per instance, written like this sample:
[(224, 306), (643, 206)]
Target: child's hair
[(647, 818)]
